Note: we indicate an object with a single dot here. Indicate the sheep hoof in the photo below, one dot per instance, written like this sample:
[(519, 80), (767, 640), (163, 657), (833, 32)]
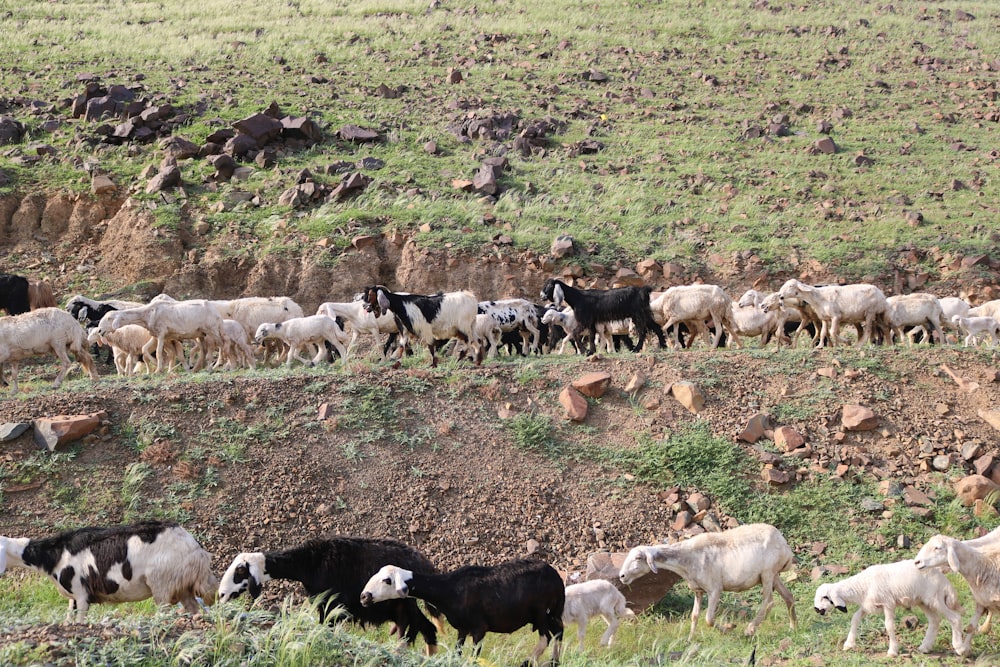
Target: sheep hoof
[(397, 365)]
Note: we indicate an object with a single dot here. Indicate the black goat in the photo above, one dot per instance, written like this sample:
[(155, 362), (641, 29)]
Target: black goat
[(478, 599), (593, 306), (333, 571), (14, 294)]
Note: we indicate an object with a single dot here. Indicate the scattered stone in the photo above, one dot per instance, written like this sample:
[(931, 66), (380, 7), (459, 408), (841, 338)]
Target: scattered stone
[(350, 185), (858, 418), (871, 505), (431, 148), (592, 384), (969, 489), (890, 488), (941, 462), (827, 372), (326, 410), (682, 521), (635, 383), (454, 76), (984, 510), (826, 146), (754, 430), (168, 177), (179, 148), (824, 127), (10, 431), (913, 496), (788, 438), (102, 185), (11, 131), (775, 477), (689, 395), (300, 127), (983, 465), (698, 502), (971, 450), (991, 417), (357, 134), (260, 127), (574, 403), (562, 246), (366, 241), (51, 432)]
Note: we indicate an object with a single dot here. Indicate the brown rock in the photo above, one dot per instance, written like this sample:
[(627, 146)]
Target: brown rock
[(991, 417), (775, 477), (682, 521), (358, 135), (698, 502), (826, 146), (326, 410), (362, 242), (102, 185), (169, 177), (688, 395), (858, 418), (754, 430), (649, 268), (626, 277), (592, 384), (574, 403), (643, 592), (51, 432), (983, 509), (562, 246), (983, 465), (260, 127), (635, 383), (788, 438), (973, 487), (914, 496)]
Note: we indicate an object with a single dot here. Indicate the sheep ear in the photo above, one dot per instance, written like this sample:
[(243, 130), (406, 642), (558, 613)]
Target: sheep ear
[(383, 301), (650, 561), (952, 557), (837, 601), (558, 295), (255, 587)]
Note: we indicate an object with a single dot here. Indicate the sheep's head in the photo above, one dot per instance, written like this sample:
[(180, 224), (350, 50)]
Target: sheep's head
[(938, 552), (827, 598), (771, 302), (11, 549), (265, 331), (246, 573), (389, 583), (638, 563)]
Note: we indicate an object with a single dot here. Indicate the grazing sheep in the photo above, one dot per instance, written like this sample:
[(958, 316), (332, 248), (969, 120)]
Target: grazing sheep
[(43, 331), (300, 332), (734, 560), (333, 572), (976, 328), (130, 345), (988, 309), (837, 304), (592, 307), (979, 565), (427, 318), (252, 311), (477, 599), (157, 559), (588, 599), (904, 584)]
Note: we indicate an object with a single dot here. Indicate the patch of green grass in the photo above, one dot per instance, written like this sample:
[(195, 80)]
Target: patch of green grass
[(135, 476), (534, 433)]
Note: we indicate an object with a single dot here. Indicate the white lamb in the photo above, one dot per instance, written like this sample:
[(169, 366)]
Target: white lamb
[(128, 345), (300, 332), (235, 351), (360, 321), (892, 585), (565, 320), (43, 331), (734, 560), (588, 599), (977, 328)]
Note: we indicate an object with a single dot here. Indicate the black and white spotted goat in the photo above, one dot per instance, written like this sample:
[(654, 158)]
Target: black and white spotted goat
[(127, 563), (592, 307), (428, 318), (479, 599), (509, 315), (333, 571)]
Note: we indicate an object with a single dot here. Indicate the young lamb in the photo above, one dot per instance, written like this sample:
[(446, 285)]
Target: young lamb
[(734, 560), (361, 321), (235, 351), (588, 599), (128, 563), (43, 331), (977, 327), (904, 584), (837, 304), (130, 345), (427, 318), (565, 320), (300, 332), (169, 320), (591, 307), (252, 311), (513, 315), (478, 599), (333, 572), (980, 567)]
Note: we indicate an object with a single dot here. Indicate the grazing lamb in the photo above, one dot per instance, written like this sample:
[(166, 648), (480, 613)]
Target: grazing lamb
[(169, 320), (592, 307), (427, 318), (252, 311), (333, 572), (235, 351), (14, 294), (300, 332), (734, 560), (904, 584), (131, 344), (979, 565), (588, 599), (157, 559), (837, 304), (976, 328), (478, 599), (43, 331), (694, 305)]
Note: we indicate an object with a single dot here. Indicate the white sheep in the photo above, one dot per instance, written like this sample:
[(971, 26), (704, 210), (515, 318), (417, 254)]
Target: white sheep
[(734, 560), (914, 310), (300, 332), (169, 320), (980, 567), (155, 559), (887, 586), (128, 345), (588, 599), (752, 320), (976, 328), (860, 303), (252, 311), (43, 331), (564, 319), (988, 309), (361, 321), (235, 351), (694, 305)]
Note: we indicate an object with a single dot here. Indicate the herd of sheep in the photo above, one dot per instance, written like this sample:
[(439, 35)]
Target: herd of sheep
[(376, 581), (232, 333)]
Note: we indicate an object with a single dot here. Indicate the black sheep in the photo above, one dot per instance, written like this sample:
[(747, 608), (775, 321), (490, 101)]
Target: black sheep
[(14, 294)]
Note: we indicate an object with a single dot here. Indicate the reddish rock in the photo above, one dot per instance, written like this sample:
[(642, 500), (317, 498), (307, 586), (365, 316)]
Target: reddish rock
[(592, 384), (626, 277), (574, 403), (754, 430), (643, 592), (913, 496), (775, 477), (698, 502), (682, 521), (787, 438), (825, 145), (858, 418), (562, 246), (688, 395), (991, 417), (102, 185), (983, 465), (51, 432), (974, 487), (362, 242), (635, 383), (649, 268), (326, 410)]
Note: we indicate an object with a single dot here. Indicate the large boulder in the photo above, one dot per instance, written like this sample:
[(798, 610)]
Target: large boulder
[(643, 593)]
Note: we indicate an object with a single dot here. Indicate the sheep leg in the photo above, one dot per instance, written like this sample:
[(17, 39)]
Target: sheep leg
[(714, 597), (339, 347), (933, 625), (954, 618), (973, 622), (15, 368), (985, 627), (786, 595), (609, 635), (852, 634), (540, 647), (694, 614), (890, 629), (64, 364), (581, 631), (767, 599)]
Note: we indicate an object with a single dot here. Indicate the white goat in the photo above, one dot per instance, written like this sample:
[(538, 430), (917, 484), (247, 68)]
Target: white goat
[(169, 320), (860, 303), (976, 328), (887, 586), (43, 331), (360, 321), (734, 560), (299, 332), (694, 305), (914, 310), (980, 567), (588, 599)]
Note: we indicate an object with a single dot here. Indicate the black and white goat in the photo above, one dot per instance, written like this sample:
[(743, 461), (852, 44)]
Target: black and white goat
[(478, 599), (592, 307), (427, 318), (510, 315), (128, 563), (334, 571)]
